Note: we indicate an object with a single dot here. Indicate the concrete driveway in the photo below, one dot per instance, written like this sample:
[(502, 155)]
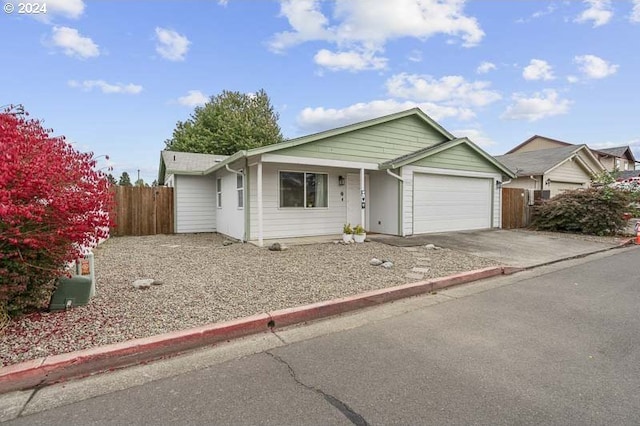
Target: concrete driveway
[(510, 247)]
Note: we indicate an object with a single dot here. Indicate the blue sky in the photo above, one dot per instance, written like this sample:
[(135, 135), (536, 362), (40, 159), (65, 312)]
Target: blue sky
[(114, 77)]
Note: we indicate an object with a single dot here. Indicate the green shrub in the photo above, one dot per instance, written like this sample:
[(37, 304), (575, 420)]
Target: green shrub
[(595, 211)]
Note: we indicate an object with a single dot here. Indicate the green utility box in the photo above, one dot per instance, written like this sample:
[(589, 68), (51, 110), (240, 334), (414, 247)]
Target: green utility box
[(74, 291)]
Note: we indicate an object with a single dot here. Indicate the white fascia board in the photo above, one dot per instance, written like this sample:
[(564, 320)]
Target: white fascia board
[(275, 158), (453, 172)]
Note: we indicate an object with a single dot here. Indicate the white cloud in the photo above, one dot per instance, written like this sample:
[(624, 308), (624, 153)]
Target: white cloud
[(599, 12), (72, 9), (320, 118), (476, 136), (415, 56), (635, 12), (485, 67), (536, 107), (538, 70), (365, 26), (108, 88), (350, 60), (572, 79), (539, 14), (595, 67), (193, 98), (73, 43), (450, 90), (171, 45)]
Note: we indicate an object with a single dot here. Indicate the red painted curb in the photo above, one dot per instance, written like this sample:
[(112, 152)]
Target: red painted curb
[(49, 370), (290, 316), (52, 369)]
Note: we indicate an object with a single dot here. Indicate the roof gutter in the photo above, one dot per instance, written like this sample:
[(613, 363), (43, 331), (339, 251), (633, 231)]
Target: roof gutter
[(238, 172), (390, 173)]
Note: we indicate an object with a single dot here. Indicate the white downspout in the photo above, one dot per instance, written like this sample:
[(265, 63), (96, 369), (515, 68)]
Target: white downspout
[(390, 173), (362, 198), (259, 197), (234, 171)]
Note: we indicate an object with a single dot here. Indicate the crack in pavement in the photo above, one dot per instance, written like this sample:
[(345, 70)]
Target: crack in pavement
[(353, 417)]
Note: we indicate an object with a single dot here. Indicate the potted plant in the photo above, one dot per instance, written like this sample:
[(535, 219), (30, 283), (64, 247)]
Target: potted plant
[(358, 234), (347, 233)]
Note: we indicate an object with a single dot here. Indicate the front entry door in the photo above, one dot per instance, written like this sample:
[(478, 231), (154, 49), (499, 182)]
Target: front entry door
[(353, 200)]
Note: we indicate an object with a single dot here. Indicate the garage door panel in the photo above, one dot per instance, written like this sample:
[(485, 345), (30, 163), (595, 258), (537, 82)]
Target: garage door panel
[(451, 203)]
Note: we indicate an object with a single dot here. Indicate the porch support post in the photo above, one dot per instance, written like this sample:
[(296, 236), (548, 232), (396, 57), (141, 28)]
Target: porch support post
[(362, 198), (259, 196)]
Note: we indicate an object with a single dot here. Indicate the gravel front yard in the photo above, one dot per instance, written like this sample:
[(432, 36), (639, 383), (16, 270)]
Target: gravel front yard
[(206, 282)]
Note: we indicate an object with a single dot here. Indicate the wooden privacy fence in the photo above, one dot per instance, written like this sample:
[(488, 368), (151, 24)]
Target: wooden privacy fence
[(518, 205), (515, 208), (142, 210)]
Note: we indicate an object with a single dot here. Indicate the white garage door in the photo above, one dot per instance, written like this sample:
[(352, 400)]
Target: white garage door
[(450, 203)]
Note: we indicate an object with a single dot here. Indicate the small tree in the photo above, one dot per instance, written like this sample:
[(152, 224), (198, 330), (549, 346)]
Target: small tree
[(52, 203), (140, 182), (229, 122), (111, 179), (125, 180)]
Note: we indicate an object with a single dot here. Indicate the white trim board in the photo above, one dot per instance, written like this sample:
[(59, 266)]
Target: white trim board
[(287, 159)]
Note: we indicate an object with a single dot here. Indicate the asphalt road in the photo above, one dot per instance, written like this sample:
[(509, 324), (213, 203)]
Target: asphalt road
[(557, 345)]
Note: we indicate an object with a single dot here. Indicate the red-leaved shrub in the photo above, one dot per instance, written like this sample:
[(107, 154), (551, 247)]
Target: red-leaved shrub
[(53, 202)]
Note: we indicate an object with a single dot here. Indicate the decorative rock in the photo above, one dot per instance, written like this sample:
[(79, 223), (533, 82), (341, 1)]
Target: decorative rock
[(157, 282), (227, 243), (277, 247), (414, 276), (143, 284), (431, 247), (387, 265), (375, 262)]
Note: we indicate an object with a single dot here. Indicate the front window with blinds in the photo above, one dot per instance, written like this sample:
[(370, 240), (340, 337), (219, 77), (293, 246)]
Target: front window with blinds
[(303, 189)]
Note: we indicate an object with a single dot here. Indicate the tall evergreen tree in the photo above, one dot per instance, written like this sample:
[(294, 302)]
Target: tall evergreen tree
[(229, 122)]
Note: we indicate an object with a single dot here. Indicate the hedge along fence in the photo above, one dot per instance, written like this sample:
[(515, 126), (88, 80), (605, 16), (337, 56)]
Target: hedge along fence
[(595, 211)]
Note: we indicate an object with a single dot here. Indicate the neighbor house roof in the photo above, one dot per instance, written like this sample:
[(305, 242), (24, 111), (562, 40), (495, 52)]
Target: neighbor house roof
[(618, 151), (539, 162), (434, 149), (626, 174), (172, 162), (512, 150)]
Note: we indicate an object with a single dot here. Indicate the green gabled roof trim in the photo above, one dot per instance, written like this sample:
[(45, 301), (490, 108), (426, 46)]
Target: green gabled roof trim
[(443, 146), (328, 133), (350, 128)]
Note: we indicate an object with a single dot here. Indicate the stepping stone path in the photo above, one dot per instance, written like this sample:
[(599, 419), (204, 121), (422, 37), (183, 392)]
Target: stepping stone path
[(422, 268)]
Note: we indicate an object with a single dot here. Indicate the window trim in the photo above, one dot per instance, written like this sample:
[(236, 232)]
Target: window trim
[(219, 192), (304, 179), (240, 189)]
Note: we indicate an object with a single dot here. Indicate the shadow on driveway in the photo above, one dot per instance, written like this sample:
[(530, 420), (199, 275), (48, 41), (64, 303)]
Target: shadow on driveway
[(509, 247)]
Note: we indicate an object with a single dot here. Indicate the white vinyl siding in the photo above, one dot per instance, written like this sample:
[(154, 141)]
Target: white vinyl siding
[(296, 222), (383, 207), (195, 203), (230, 221), (451, 203), (569, 175)]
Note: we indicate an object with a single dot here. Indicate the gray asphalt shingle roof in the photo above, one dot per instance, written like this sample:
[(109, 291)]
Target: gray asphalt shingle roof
[(536, 162), (189, 161), (617, 151)]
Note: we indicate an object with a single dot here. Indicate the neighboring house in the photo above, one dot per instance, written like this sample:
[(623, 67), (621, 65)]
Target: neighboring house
[(616, 159), (613, 159), (401, 174), (556, 169)]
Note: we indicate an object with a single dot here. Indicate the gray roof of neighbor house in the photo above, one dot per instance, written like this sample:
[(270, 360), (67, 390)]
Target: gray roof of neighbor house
[(626, 174), (618, 151), (531, 163), (185, 163)]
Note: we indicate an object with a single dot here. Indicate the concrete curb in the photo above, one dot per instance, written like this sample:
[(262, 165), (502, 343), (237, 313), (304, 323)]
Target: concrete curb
[(45, 371)]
